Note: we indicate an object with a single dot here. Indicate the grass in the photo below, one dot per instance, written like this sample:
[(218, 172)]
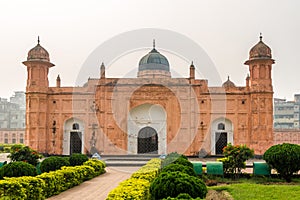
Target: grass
[(252, 191)]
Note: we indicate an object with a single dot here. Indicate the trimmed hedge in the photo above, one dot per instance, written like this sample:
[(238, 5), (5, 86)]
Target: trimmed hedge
[(17, 169), (284, 158), (98, 165), (48, 183), (182, 196), (26, 187), (138, 185), (54, 163), (78, 159), (172, 184), (175, 158), (179, 168)]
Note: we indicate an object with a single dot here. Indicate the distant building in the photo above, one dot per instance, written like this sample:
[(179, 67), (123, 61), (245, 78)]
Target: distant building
[(12, 119), (286, 113)]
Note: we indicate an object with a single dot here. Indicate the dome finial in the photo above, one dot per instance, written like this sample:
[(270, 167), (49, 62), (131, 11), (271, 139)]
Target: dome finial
[(153, 43), (228, 78), (260, 36), (38, 39)]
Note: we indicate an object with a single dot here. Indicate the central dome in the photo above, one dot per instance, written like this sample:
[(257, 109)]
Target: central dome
[(154, 61)]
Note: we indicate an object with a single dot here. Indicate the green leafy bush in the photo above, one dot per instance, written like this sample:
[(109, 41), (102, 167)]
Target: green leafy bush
[(171, 184), (19, 152), (78, 159), (17, 169), (235, 158), (176, 158), (284, 158), (179, 168), (182, 196), (54, 163), (5, 148), (98, 165)]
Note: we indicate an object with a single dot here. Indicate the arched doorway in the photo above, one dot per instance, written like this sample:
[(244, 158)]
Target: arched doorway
[(73, 137), (148, 141), (144, 121), (222, 134)]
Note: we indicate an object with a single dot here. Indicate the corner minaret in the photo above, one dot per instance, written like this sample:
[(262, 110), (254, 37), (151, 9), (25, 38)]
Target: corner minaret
[(259, 85), (38, 64), (260, 67)]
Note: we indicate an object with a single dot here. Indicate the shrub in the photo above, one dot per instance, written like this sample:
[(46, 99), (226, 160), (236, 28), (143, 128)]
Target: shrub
[(98, 165), (19, 152), (149, 171), (5, 148), (284, 158), (44, 185), (54, 182), (179, 168), (176, 158), (17, 169), (11, 189), (27, 188), (171, 184), (77, 159), (182, 196), (235, 158), (54, 163), (137, 187)]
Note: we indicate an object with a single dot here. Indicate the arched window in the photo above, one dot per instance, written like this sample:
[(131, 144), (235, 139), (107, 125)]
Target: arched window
[(75, 126), (221, 126)]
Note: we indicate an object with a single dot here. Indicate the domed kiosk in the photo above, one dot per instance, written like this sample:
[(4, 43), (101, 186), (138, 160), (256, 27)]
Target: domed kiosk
[(154, 65), (260, 51)]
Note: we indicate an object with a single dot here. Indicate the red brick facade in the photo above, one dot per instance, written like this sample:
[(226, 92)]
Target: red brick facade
[(165, 114)]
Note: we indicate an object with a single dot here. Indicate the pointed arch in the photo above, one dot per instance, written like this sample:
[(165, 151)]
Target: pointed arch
[(73, 138), (145, 121), (221, 135)]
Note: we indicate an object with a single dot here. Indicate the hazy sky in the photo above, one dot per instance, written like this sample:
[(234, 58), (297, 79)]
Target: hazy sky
[(70, 30)]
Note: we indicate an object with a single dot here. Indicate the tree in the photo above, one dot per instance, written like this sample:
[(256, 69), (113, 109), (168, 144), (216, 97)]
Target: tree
[(284, 158), (19, 152), (235, 158)]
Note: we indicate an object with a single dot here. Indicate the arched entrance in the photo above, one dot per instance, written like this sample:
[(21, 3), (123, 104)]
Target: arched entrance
[(73, 136), (147, 130), (222, 134), (75, 139), (148, 141)]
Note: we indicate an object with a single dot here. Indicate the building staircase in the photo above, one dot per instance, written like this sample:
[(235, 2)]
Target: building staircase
[(128, 160)]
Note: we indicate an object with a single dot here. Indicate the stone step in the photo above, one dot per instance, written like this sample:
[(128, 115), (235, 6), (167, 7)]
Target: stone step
[(127, 160)]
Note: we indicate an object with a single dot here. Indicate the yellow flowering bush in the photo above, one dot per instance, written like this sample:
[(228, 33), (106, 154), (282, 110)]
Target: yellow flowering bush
[(138, 185), (47, 184)]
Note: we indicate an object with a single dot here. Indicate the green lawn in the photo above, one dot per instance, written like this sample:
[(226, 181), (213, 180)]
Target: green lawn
[(249, 191)]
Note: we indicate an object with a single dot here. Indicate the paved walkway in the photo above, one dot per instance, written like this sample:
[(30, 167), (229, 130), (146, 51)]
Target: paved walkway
[(99, 187)]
